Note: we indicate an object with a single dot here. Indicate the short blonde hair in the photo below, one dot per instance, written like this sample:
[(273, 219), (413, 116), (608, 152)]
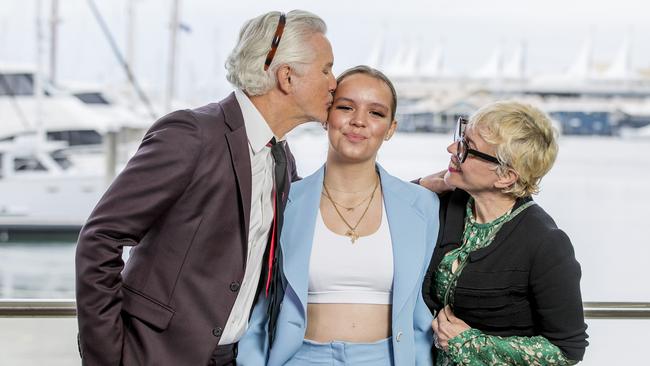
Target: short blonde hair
[(525, 141)]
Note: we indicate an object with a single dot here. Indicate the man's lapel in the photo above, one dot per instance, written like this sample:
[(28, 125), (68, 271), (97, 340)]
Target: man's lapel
[(239, 154)]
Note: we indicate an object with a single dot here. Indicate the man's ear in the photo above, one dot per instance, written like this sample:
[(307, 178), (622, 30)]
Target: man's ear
[(507, 179), (283, 75)]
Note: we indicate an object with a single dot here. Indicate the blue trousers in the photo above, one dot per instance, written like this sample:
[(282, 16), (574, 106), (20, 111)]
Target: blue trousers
[(340, 353)]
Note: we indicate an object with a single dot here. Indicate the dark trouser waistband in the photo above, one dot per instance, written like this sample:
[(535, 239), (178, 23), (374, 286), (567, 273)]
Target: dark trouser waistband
[(224, 355)]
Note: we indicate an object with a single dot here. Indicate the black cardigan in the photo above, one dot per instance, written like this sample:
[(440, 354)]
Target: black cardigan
[(525, 283)]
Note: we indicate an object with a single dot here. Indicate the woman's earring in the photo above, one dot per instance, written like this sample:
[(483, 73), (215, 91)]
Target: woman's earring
[(324, 124)]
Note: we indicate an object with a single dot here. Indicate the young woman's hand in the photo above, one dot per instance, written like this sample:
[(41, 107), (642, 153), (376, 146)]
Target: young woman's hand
[(436, 182)]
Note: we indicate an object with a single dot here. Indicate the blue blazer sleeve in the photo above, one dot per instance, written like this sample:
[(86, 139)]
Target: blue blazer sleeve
[(254, 345), (422, 318)]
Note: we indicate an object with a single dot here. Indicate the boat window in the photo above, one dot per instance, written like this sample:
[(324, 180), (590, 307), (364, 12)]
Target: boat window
[(16, 84), (28, 164), (61, 158), (76, 137), (91, 98)]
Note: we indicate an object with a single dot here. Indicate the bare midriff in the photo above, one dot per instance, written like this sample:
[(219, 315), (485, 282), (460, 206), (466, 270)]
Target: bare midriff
[(348, 322)]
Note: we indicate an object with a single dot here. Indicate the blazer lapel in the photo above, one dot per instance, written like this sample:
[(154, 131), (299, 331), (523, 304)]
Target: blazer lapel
[(503, 233), (239, 155), (298, 234), (407, 232)]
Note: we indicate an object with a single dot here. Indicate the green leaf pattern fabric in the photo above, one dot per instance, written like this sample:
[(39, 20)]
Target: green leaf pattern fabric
[(472, 347)]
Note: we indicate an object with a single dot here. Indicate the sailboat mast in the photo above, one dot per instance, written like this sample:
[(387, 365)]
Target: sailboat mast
[(38, 75), (130, 46), (54, 23), (173, 43)]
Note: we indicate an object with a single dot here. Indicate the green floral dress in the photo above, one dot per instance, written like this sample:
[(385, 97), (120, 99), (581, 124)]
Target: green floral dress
[(472, 347)]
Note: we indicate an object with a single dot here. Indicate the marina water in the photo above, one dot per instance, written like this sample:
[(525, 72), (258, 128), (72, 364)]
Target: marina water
[(596, 192)]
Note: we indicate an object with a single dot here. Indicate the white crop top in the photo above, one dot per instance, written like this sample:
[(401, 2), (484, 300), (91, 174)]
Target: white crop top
[(342, 272)]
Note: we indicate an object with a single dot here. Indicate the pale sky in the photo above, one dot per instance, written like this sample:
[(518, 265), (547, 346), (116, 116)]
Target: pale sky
[(469, 31)]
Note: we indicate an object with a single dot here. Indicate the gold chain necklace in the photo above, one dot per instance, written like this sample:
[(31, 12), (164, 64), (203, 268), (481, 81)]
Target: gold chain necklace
[(338, 190), (348, 209), (352, 230)]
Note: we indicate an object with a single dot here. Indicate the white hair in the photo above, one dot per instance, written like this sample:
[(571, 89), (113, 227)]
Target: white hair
[(245, 64)]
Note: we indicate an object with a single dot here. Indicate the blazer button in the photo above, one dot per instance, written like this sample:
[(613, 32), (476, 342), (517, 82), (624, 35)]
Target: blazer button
[(398, 337), (234, 286), (217, 331)]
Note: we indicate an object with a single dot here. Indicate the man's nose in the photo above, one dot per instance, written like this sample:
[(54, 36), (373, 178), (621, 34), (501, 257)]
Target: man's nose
[(332, 83)]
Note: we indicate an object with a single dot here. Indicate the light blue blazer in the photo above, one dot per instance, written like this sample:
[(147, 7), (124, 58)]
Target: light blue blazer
[(412, 213)]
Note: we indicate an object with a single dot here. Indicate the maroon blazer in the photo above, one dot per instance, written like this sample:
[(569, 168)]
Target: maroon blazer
[(183, 203)]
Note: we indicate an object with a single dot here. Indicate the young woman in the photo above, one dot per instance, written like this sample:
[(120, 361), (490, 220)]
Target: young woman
[(356, 242)]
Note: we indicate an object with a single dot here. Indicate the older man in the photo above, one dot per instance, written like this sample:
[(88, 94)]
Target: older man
[(197, 202)]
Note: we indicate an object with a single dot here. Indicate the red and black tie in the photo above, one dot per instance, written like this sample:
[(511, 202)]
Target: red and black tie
[(274, 288)]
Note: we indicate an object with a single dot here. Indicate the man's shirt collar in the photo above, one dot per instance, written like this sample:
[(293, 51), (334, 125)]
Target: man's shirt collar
[(257, 129)]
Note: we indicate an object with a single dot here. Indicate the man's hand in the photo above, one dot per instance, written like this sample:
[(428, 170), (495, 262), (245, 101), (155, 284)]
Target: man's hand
[(436, 182), (447, 326)]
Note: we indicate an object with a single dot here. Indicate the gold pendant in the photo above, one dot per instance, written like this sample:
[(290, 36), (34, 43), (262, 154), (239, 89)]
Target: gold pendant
[(353, 235)]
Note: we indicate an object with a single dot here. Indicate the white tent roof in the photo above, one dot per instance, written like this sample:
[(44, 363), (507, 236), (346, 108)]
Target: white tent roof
[(582, 67), (621, 67), (493, 67), (433, 65), (516, 66)]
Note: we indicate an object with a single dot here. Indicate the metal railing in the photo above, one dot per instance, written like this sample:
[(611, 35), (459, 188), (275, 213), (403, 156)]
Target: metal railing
[(18, 308), (616, 310)]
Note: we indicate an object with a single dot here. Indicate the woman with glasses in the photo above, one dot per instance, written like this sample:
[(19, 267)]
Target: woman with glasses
[(503, 280), (356, 243)]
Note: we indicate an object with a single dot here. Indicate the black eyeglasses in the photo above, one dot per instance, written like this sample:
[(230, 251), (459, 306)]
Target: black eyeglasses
[(462, 149), (276, 41)]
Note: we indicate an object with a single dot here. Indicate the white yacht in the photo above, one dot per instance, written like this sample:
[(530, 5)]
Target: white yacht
[(41, 191), (50, 180), (80, 116)]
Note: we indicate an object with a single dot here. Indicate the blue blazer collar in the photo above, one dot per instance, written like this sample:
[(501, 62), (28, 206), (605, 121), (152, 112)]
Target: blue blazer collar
[(407, 229)]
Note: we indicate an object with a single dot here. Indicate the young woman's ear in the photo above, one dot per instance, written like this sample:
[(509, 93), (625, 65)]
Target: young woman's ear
[(391, 130)]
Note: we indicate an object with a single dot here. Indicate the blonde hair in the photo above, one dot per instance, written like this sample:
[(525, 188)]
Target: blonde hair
[(374, 73), (245, 64), (525, 141)]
